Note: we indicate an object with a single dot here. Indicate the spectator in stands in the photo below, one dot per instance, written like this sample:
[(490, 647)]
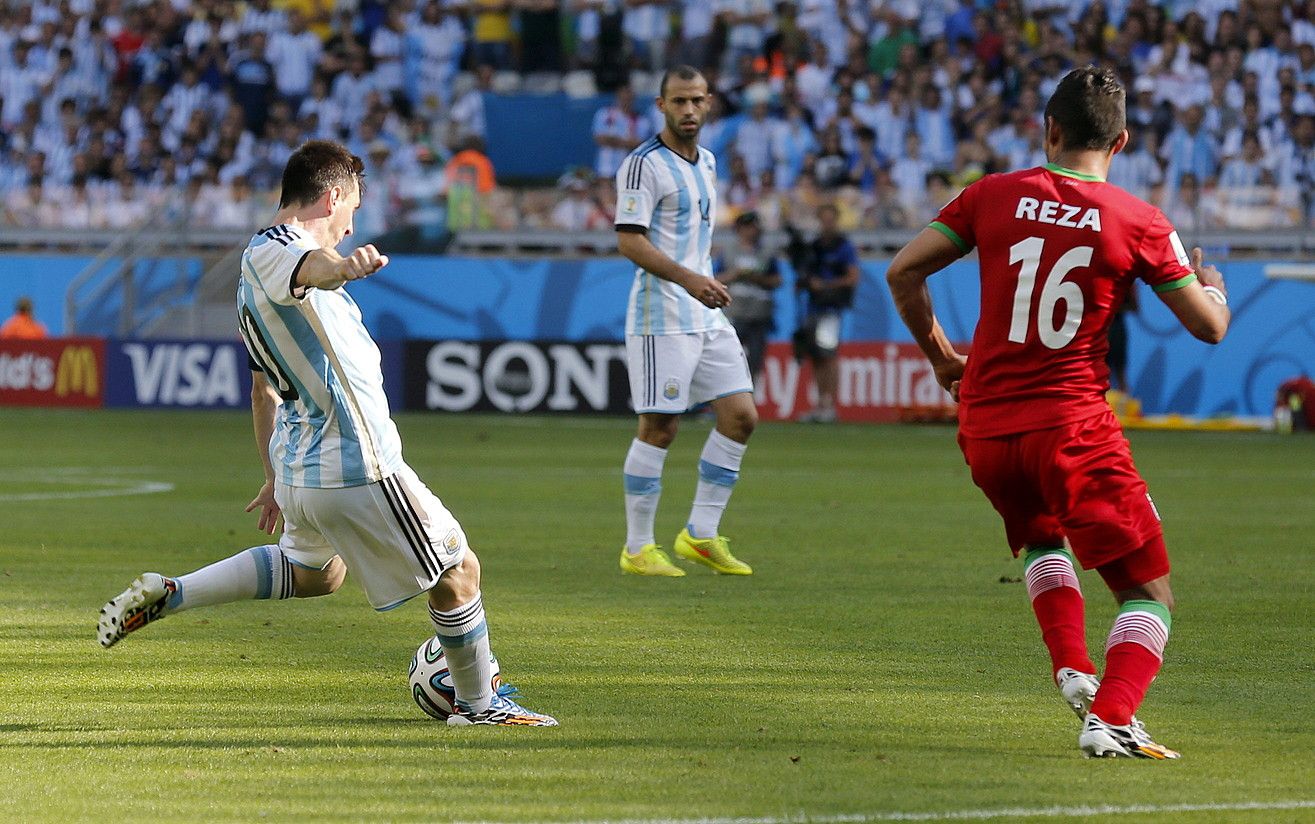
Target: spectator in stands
[(253, 81), (491, 33), (909, 173), (866, 162), (752, 276), (434, 46), (327, 112), (540, 34), (387, 48), (746, 23), (832, 165), (468, 112), (791, 144), (617, 130), (294, 54), (138, 81), (470, 181), (647, 25), (352, 89), (1188, 209), (1136, 168), (421, 193), (23, 323), (755, 139), (1190, 149), (697, 24), (829, 284), (152, 63), (578, 211)]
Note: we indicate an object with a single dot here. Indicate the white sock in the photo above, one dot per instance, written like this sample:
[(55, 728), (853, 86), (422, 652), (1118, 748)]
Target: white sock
[(464, 635), (260, 572), (643, 482), (719, 468)]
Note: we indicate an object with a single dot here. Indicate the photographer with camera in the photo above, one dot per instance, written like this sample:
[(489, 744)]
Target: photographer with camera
[(751, 275), (827, 271)]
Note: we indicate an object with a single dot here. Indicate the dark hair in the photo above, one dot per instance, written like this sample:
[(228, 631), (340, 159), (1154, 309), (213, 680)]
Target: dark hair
[(315, 168), (678, 72), (1088, 106)]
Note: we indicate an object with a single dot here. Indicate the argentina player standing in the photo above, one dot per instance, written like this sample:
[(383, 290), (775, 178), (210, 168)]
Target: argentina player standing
[(332, 456), (681, 349)]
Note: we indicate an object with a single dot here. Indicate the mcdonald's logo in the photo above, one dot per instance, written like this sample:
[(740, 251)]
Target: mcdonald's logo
[(77, 372)]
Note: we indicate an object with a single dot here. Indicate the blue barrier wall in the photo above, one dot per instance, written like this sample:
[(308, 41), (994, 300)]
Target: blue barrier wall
[(1273, 334), (45, 279), (569, 142)]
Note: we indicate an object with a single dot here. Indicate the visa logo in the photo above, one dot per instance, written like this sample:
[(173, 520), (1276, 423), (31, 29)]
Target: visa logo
[(177, 374)]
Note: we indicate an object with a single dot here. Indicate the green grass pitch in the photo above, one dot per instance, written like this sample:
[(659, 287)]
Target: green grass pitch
[(882, 659)]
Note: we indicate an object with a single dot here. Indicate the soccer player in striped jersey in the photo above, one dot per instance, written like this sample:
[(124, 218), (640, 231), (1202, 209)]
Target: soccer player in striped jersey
[(333, 460), (681, 349), (1059, 249)]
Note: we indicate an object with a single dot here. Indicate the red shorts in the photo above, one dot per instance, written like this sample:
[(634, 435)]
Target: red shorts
[(1075, 481)]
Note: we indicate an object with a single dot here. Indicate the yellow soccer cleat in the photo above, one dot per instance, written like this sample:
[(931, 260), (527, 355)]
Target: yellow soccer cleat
[(711, 552), (649, 561)]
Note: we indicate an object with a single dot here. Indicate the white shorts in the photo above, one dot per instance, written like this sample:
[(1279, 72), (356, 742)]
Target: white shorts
[(672, 374), (396, 536)]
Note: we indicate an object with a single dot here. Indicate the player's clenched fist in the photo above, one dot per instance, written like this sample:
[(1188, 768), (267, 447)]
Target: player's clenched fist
[(363, 262)]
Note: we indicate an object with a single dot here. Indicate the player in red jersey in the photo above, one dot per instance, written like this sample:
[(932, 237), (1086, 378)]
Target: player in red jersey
[(1059, 248)]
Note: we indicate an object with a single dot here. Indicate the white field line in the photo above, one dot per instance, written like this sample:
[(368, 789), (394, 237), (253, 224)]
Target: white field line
[(982, 814), (105, 487)]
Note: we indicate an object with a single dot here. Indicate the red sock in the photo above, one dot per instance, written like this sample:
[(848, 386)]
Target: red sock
[(1129, 670), (1061, 615), (1052, 584)]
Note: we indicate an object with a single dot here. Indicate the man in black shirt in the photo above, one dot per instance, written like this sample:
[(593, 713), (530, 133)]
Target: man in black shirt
[(829, 281)]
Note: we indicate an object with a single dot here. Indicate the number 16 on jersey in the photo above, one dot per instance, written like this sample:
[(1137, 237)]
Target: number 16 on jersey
[(1053, 291)]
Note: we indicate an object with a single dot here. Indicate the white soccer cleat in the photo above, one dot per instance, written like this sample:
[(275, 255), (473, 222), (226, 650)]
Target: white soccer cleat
[(1078, 690), (1101, 740), (144, 601), (503, 712)]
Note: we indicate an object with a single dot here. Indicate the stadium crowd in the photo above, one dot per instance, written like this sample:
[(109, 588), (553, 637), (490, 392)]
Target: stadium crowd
[(113, 111)]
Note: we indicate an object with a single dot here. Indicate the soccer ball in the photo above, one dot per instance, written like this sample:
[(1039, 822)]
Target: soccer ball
[(431, 683)]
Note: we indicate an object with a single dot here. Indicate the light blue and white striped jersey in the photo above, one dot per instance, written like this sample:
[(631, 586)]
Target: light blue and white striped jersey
[(333, 427), (675, 201)]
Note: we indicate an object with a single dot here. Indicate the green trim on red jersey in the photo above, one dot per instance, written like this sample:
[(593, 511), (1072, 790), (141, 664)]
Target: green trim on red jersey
[(951, 234), (1060, 170), (1185, 280)]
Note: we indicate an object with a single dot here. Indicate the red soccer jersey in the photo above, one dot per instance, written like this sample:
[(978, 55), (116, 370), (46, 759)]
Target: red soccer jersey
[(1058, 252)]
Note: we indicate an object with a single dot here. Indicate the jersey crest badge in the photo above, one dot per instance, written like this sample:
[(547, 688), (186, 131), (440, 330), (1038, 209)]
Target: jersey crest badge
[(672, 389), (451, 542)]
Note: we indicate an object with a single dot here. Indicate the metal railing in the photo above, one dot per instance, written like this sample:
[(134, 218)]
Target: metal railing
[(105, 296)]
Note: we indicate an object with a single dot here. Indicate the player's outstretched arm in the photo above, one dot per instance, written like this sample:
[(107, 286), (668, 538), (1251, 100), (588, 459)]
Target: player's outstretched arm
[(1201, 307), (264, 407), (640, 250), (326, 269), (924, 256)]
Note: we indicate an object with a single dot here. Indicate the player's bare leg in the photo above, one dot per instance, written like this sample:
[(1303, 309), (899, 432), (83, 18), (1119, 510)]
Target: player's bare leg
[(719, 468), (262, 572), (457, 610), (643, 488)]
